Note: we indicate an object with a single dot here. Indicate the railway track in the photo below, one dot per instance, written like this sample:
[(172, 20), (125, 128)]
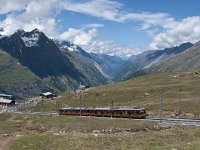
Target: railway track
[(185, 122), (180, 121), (195, 122)]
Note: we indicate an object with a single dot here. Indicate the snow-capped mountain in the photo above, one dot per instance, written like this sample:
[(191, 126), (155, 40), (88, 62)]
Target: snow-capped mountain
[(68, 46), (1, 36), (30, 39), (81, 59), (60, 65), (109, 66), (65, 44), (58, 68)]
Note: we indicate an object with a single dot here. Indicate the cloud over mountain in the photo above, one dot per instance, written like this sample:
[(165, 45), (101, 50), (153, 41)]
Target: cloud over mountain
[(10, 5), (187, 30), (163, 29), (79, 37), (111, 48)]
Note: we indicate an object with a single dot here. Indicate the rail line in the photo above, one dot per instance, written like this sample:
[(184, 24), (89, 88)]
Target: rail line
[(181, 121), (178, 121), (184, 122)]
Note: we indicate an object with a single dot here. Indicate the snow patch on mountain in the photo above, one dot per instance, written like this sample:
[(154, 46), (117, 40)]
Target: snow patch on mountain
[(73, 48), (66, 45), (31, 41), (2, 36)]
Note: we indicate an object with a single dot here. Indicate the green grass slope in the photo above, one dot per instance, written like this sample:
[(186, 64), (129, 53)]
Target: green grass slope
[(131, 93), (16, 79), (74, 133)]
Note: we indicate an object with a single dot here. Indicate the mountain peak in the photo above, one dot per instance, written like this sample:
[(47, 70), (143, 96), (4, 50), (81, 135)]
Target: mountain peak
[(65, 44), (36, 30), (30, 39), (19, 32), (186, 43), (2, 36), (34, 38)]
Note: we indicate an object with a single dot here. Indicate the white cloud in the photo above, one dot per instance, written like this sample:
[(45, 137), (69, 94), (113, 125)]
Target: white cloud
[(79, 37), (111, 48), (150, 19), (187, 30), (10, 25), (36, 14), (164, 30), (106, 9), (94, 25), (112, 10), (39, 9), (7, 6), (36, 11)]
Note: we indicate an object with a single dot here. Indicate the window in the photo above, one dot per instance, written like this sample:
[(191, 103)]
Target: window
[(141, 112)]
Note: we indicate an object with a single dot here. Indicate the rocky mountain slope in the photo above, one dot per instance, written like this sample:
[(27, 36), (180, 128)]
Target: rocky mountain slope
[(148, 59), (57, 68), (35, 51), (187, 61), (110, 65), (16, 78), (83, 62), (30, 63)]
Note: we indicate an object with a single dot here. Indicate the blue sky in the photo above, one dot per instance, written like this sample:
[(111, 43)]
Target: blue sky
[(120, 27)]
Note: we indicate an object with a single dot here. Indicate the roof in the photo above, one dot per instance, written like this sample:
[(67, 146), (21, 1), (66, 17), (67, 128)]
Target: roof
[(47, 93), (81, 86), (3, 100), (5, 95), (102, 108)]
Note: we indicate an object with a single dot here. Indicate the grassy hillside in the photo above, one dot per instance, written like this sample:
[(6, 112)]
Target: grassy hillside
[(20, 132), (131, 93), (16, 79), (75, 132)]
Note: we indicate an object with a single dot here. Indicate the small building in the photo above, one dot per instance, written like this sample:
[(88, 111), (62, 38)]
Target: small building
[(48, 95), (4, 103), (82, 88), (7, 96)]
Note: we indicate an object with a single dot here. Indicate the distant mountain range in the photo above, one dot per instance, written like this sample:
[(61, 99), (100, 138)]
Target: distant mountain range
[(110, 65), (187, 61), (144, 62), (30, 63)]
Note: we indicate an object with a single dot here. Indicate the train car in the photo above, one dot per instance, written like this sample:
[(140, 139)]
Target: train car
[(105, 112)]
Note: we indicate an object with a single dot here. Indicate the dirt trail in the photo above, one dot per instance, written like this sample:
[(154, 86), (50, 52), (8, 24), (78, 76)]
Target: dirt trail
[(5, 143), (6, 140)]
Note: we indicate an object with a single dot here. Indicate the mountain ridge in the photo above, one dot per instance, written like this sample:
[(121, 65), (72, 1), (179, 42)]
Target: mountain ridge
[(59, 65), (48, 62), (188, 60), (145, 60)]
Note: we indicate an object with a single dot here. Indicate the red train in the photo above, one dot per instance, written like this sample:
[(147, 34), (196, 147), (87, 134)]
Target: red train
[(138, 113)]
